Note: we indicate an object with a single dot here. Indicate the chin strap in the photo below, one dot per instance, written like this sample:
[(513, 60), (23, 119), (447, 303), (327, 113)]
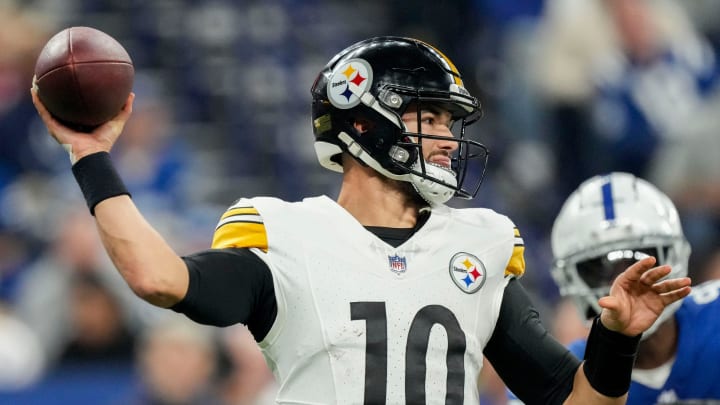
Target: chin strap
[(432, 191)]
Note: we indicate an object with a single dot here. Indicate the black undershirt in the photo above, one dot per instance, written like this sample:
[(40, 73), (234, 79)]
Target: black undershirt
[(229, 286)]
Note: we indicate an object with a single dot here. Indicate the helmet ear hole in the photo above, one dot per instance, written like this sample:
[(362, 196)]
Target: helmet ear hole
[(363, 125)]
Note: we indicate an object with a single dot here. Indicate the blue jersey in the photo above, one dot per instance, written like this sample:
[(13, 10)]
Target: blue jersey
[(695, 374)]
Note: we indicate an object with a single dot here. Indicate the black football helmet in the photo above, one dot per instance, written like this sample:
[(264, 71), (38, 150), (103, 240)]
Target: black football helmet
[(376, 80)]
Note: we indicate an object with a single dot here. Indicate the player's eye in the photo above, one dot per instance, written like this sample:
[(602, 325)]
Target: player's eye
[(428, 119)]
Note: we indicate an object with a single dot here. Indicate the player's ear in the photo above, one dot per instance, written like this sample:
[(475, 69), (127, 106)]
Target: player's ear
[(362, 125)]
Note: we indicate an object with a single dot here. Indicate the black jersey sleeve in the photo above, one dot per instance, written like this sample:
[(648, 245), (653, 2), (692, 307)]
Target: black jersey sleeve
[(229, 286), (533, 365)]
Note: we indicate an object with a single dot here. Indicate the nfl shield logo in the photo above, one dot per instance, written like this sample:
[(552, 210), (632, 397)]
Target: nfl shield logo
[(398, 264)]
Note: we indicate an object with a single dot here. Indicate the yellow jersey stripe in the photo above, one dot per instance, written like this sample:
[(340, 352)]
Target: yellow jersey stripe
[(253, 219), (518, 240), (239, 211), (240, 235), (516, 265)]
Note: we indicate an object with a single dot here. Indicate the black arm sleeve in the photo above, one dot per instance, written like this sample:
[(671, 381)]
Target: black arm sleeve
[(534, 366), (229, 286)]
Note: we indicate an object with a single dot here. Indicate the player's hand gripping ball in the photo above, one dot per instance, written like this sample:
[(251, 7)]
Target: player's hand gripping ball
[(83, 77)]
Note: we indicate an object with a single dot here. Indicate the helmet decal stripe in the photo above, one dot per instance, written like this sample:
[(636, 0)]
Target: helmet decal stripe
[(608, 202), (453, 69)]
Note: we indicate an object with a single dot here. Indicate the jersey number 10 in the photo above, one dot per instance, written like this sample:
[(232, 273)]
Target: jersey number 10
[(375, 318)]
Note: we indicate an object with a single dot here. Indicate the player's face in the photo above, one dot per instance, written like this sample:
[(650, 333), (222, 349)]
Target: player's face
[(432, 120)]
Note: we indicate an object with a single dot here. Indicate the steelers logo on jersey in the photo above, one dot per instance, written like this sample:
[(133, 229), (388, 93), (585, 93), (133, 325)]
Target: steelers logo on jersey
[(467, 272), (349, 82)]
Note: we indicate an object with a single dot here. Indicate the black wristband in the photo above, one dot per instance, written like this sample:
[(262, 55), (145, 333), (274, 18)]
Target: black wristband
[(609, 359), (98, 179)]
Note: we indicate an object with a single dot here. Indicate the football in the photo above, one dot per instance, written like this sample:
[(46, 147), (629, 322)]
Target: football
[(83, 77)]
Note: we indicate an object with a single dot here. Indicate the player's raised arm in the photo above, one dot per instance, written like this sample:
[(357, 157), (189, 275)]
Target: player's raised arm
[(637, 298), (147, 263)]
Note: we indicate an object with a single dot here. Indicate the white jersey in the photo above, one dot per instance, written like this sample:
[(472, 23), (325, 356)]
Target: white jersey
[(362, 322)]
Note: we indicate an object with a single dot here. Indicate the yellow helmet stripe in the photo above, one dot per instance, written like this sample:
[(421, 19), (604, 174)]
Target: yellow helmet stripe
[(456, 73)]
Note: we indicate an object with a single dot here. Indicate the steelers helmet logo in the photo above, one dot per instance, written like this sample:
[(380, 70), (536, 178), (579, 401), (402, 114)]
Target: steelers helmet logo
[(349, 81), (467, 272)]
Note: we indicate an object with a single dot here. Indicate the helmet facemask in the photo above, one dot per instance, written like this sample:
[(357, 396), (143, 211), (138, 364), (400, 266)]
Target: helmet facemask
[(436, 183)]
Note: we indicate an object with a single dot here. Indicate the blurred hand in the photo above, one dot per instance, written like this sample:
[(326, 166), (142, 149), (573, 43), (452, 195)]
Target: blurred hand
[(81, 144), (637, 297)]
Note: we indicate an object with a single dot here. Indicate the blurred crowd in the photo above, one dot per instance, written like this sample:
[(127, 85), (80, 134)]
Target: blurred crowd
[(569, 88)]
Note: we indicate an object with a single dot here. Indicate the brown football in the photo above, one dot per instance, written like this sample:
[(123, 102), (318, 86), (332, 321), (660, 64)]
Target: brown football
[(83, 76)]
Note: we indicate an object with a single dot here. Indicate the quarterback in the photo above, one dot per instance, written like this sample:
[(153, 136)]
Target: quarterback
[(383, 295)]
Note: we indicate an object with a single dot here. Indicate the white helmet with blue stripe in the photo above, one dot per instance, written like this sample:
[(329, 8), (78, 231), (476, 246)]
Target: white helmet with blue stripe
[(608, 223)]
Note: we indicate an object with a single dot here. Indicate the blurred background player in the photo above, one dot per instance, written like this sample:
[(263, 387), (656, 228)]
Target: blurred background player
[(176, 361), (608, 223), (248, 380), (620, 76)]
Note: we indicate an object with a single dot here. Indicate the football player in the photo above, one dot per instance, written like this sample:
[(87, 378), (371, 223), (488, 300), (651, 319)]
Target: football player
[(384, 294), (606, 225)]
